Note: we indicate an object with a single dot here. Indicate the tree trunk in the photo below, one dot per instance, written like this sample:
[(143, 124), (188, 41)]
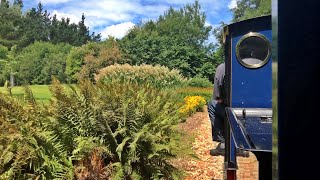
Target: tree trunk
[(11, 79)]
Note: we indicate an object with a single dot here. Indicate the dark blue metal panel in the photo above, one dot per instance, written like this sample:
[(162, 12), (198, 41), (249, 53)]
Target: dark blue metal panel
[(251, 133), (260, 132), (250, 87), (241, 141), (249, 100)]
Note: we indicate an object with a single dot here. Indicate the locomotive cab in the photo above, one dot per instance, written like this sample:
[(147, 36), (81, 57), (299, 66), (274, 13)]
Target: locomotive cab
[(248, 93)]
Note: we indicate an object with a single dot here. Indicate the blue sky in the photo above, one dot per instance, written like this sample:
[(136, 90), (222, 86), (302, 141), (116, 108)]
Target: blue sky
[(115, 17)]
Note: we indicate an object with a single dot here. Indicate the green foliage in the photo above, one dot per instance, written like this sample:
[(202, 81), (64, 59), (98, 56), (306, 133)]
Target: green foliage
[(41, 92), (109, 54), (3, 62), (247, 9), (7, 64), (102, 131), (37, 25), (199, 82), (28, 149), (40, 27), (176, 40), (155, 76), (10, 23), (134, 122), (74, 34), (194, 91), (3, 52), (40, 61), (83, 62)]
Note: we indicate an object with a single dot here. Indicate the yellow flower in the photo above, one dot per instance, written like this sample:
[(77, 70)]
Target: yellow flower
[(192, 105)]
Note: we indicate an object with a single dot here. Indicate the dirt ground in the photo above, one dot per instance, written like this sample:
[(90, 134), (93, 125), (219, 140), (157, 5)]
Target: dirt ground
[(209, 167)]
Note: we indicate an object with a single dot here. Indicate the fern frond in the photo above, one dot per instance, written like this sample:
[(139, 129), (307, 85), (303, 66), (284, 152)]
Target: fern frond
[(120, 147)]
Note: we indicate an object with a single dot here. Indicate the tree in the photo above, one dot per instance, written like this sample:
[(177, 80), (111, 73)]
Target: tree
[(83, 31), (176, 39), (36, 26), (3, 61), (38, 62), (108, 54), (7, 65), (18, 2), (10, 23), (246, 9), (84, 61), (39, 26)]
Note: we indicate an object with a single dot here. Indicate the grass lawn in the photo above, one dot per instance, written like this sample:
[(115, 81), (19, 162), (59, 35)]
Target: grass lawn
[(40, 92)]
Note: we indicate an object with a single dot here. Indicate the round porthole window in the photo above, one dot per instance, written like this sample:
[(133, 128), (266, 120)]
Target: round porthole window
[(253, 50)]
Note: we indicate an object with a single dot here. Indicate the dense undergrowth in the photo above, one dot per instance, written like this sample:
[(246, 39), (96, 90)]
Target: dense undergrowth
[(103, 130)]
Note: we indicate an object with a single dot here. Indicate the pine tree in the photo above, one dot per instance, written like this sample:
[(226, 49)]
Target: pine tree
[(10, 23)]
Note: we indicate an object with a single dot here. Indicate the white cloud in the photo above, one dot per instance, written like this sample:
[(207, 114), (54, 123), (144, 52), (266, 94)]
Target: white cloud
[(212, 39), (106, 12), (215, 26), (232, 4), (118, 30), (73, 18), (207, 23), (113, 17), (53, 1)]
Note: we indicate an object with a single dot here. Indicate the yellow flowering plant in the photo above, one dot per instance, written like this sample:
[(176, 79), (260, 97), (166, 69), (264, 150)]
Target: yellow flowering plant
[(192, 104)]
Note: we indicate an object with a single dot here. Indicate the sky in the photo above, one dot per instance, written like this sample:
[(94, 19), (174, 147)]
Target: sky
[(116, 17)]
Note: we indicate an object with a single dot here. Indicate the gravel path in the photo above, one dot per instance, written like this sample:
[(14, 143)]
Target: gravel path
[(209, 167)]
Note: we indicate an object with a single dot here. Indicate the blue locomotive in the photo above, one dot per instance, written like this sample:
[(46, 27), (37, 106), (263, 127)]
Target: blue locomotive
[(248, 93)]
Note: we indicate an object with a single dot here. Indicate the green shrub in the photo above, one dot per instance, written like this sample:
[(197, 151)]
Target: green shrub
[(38, 62), (156, 76), (28, 149), (3, 52), (101, 131), (199, 82), (135, 122)]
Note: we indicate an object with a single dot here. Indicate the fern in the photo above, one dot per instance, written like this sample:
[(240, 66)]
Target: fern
[(103, 130), (31, 150)]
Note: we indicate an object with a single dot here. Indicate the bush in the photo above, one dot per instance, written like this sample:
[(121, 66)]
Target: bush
[(134, 122), (28, 149), (38, 62), (192, 104), (199, 82), (101, 131), (156, 76), (3, 52), (83, 62)]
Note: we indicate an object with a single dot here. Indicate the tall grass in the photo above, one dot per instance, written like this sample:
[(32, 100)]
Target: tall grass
[(156, 76)]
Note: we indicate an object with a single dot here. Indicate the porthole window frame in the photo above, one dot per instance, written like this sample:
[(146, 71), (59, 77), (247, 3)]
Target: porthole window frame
[(264, 61)]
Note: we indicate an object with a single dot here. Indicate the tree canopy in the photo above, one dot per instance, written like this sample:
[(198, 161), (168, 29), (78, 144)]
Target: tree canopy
[(245, 9), (38, 62), (22, 29), (177, 39), (251, 8), (84, 61)]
